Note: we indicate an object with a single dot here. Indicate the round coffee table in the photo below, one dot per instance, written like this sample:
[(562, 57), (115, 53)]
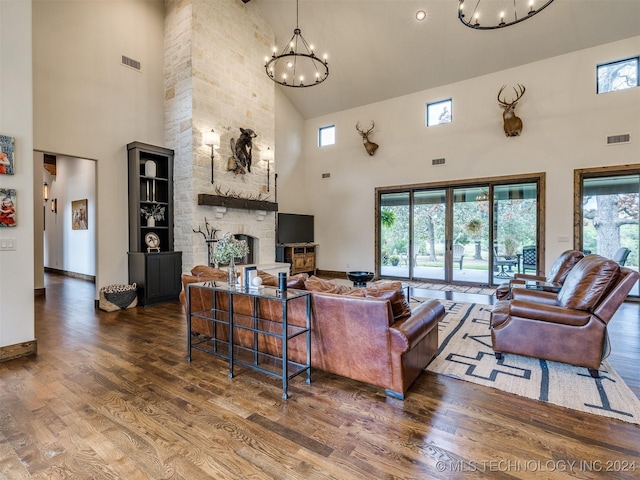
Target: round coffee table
[(360, 279)]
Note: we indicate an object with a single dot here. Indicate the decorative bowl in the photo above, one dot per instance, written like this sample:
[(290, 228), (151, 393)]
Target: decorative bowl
[(360, 279)]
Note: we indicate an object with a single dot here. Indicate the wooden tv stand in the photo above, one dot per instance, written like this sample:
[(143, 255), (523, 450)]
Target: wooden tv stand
[(301, 256)]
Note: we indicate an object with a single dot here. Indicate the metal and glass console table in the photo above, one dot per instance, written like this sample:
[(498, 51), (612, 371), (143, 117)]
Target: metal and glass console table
[(228, 322)]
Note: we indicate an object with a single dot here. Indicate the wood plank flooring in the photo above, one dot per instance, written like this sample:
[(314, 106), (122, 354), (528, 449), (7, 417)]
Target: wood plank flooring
[(111, 396)]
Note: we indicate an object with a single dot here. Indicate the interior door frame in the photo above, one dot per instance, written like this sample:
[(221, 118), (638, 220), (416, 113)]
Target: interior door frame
[(539, 178)]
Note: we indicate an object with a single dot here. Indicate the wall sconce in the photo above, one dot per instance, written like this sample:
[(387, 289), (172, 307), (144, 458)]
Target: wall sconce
[(211, 139), (54, 205), (45, 191), (267, 156)]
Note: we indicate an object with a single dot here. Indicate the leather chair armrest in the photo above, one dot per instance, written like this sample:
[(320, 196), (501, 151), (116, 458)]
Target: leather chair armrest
[(408, 332), (537, 296), (549, 313)]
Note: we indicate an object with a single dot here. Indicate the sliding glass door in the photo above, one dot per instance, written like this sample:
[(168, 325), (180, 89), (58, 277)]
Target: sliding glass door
[(470, 234), (609, 217)]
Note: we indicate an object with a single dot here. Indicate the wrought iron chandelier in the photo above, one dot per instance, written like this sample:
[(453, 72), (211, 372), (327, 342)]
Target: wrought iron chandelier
[(296, 65), (497, 13)]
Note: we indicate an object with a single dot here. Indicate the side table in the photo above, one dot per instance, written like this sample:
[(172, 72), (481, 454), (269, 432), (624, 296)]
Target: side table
[(224, 315)]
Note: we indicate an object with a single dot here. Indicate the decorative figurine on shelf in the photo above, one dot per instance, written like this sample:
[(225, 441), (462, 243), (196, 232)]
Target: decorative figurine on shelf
[(153, 213), (240, 162)]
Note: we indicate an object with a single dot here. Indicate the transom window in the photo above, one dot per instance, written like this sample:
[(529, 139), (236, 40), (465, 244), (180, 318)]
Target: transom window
[(439, 112), (327, 135), (617, 75)]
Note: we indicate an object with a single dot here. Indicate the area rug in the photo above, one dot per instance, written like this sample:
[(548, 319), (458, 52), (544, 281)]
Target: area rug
[(445, 287), (465, 353)]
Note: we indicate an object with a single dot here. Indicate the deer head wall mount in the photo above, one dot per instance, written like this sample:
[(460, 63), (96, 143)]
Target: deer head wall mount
[(369, 146), (512, 123)]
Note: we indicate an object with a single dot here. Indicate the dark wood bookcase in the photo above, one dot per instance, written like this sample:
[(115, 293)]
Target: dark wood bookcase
[(156, 271)]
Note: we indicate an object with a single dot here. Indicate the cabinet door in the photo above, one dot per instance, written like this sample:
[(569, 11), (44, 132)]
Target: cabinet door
[(163, 275)]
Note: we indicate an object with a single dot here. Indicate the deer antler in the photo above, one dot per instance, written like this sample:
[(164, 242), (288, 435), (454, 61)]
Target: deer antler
[(364, 134), (519, 93)]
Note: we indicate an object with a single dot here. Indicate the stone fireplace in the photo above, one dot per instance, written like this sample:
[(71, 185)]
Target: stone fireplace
[(214, 80)]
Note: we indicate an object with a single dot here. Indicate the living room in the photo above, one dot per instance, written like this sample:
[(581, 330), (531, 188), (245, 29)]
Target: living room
[(72, 101)]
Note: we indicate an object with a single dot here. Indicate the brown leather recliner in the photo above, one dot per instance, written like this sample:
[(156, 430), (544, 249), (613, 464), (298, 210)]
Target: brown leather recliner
[(557, 275), (570, 326)]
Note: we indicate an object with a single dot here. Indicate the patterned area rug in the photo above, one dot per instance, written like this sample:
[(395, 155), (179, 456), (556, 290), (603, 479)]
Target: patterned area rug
[(465, 352), (451, 288)]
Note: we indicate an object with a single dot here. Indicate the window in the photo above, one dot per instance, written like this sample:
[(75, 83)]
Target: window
[(327, 135), (439, 112), (617, 75)]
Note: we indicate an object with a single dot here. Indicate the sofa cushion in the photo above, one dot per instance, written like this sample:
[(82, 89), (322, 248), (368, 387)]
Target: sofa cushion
[(586, 284), (293, 281), (316, 284), (209, 273), (399, 304)]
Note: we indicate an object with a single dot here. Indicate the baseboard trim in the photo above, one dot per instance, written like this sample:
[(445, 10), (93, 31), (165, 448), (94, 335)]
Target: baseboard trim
[(331, 274), (25, 349), (66, 273), (40, 292)]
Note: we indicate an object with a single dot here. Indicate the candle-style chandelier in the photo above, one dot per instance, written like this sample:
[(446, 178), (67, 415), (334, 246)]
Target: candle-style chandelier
[(296, 65), (492, 14)]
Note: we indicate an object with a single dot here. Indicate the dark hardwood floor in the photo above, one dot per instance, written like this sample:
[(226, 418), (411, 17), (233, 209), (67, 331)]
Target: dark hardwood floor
[(111, 396)]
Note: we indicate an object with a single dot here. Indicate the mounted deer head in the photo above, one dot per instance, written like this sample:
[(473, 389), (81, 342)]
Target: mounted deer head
[(512, 124), (369, 146)]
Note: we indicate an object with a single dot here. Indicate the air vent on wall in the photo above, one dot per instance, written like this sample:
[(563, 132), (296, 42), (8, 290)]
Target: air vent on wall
[(326, 175), (613, 139), (130, 62), (437, 161)]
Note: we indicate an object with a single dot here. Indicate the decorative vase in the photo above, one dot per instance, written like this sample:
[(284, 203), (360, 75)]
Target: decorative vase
[(150, 169), (232, 273), (151, 222)]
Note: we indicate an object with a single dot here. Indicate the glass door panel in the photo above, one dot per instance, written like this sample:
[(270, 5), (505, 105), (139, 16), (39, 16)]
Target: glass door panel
[(610, 208), (470, 230), (429, 246), (514, 230), (395, 226)]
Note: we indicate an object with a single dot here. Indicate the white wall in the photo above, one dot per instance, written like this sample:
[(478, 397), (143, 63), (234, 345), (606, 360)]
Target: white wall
[(64, 248), (90, 106), (565, 128), (16, 120), (288, 158)]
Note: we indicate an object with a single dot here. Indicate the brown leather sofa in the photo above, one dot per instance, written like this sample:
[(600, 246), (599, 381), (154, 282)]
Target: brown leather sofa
[(570, 326), (558, 273), (369, 335)]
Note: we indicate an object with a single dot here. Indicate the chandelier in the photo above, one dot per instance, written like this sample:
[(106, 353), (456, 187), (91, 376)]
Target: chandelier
[(497, 13), (296, 65)]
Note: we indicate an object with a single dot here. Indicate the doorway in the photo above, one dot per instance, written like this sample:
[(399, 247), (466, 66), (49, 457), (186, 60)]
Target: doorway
[(473, 233), (607, 215)]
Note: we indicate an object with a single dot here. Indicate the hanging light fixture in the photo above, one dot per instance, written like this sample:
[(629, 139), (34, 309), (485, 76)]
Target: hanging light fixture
[(297, 64), (492, 14)]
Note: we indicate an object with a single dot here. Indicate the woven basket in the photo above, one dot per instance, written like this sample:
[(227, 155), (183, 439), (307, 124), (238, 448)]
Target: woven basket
[(117, 297)]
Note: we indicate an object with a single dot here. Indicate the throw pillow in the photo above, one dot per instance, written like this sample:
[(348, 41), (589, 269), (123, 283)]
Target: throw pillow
[(394, 293)]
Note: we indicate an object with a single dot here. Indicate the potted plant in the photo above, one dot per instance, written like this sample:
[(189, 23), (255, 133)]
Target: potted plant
[(152, 213), (510, 247), (227, 249), (474, 228)]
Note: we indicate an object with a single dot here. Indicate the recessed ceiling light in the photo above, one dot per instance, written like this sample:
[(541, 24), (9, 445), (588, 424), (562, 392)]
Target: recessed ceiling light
[(421, 15)]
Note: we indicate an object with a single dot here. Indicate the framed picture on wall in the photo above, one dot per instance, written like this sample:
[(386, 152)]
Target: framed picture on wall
[(7, 207), (6, 154), (79, 220)]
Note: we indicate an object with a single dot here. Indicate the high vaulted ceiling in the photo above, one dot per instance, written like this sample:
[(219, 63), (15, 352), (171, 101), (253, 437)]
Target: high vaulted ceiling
[(378, 50)]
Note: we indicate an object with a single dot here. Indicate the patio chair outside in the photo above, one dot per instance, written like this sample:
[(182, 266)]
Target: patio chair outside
[(529, 259), (458, 254)]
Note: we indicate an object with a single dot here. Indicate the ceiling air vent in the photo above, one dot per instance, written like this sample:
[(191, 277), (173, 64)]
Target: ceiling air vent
[(437, 161), (130, 62), (613, 139)]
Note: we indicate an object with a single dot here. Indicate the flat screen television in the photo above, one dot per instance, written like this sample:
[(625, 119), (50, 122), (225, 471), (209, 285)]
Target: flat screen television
[(295, 228)]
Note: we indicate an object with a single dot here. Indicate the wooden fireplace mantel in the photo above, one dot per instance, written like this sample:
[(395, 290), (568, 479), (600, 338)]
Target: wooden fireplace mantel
[(239, 203)]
